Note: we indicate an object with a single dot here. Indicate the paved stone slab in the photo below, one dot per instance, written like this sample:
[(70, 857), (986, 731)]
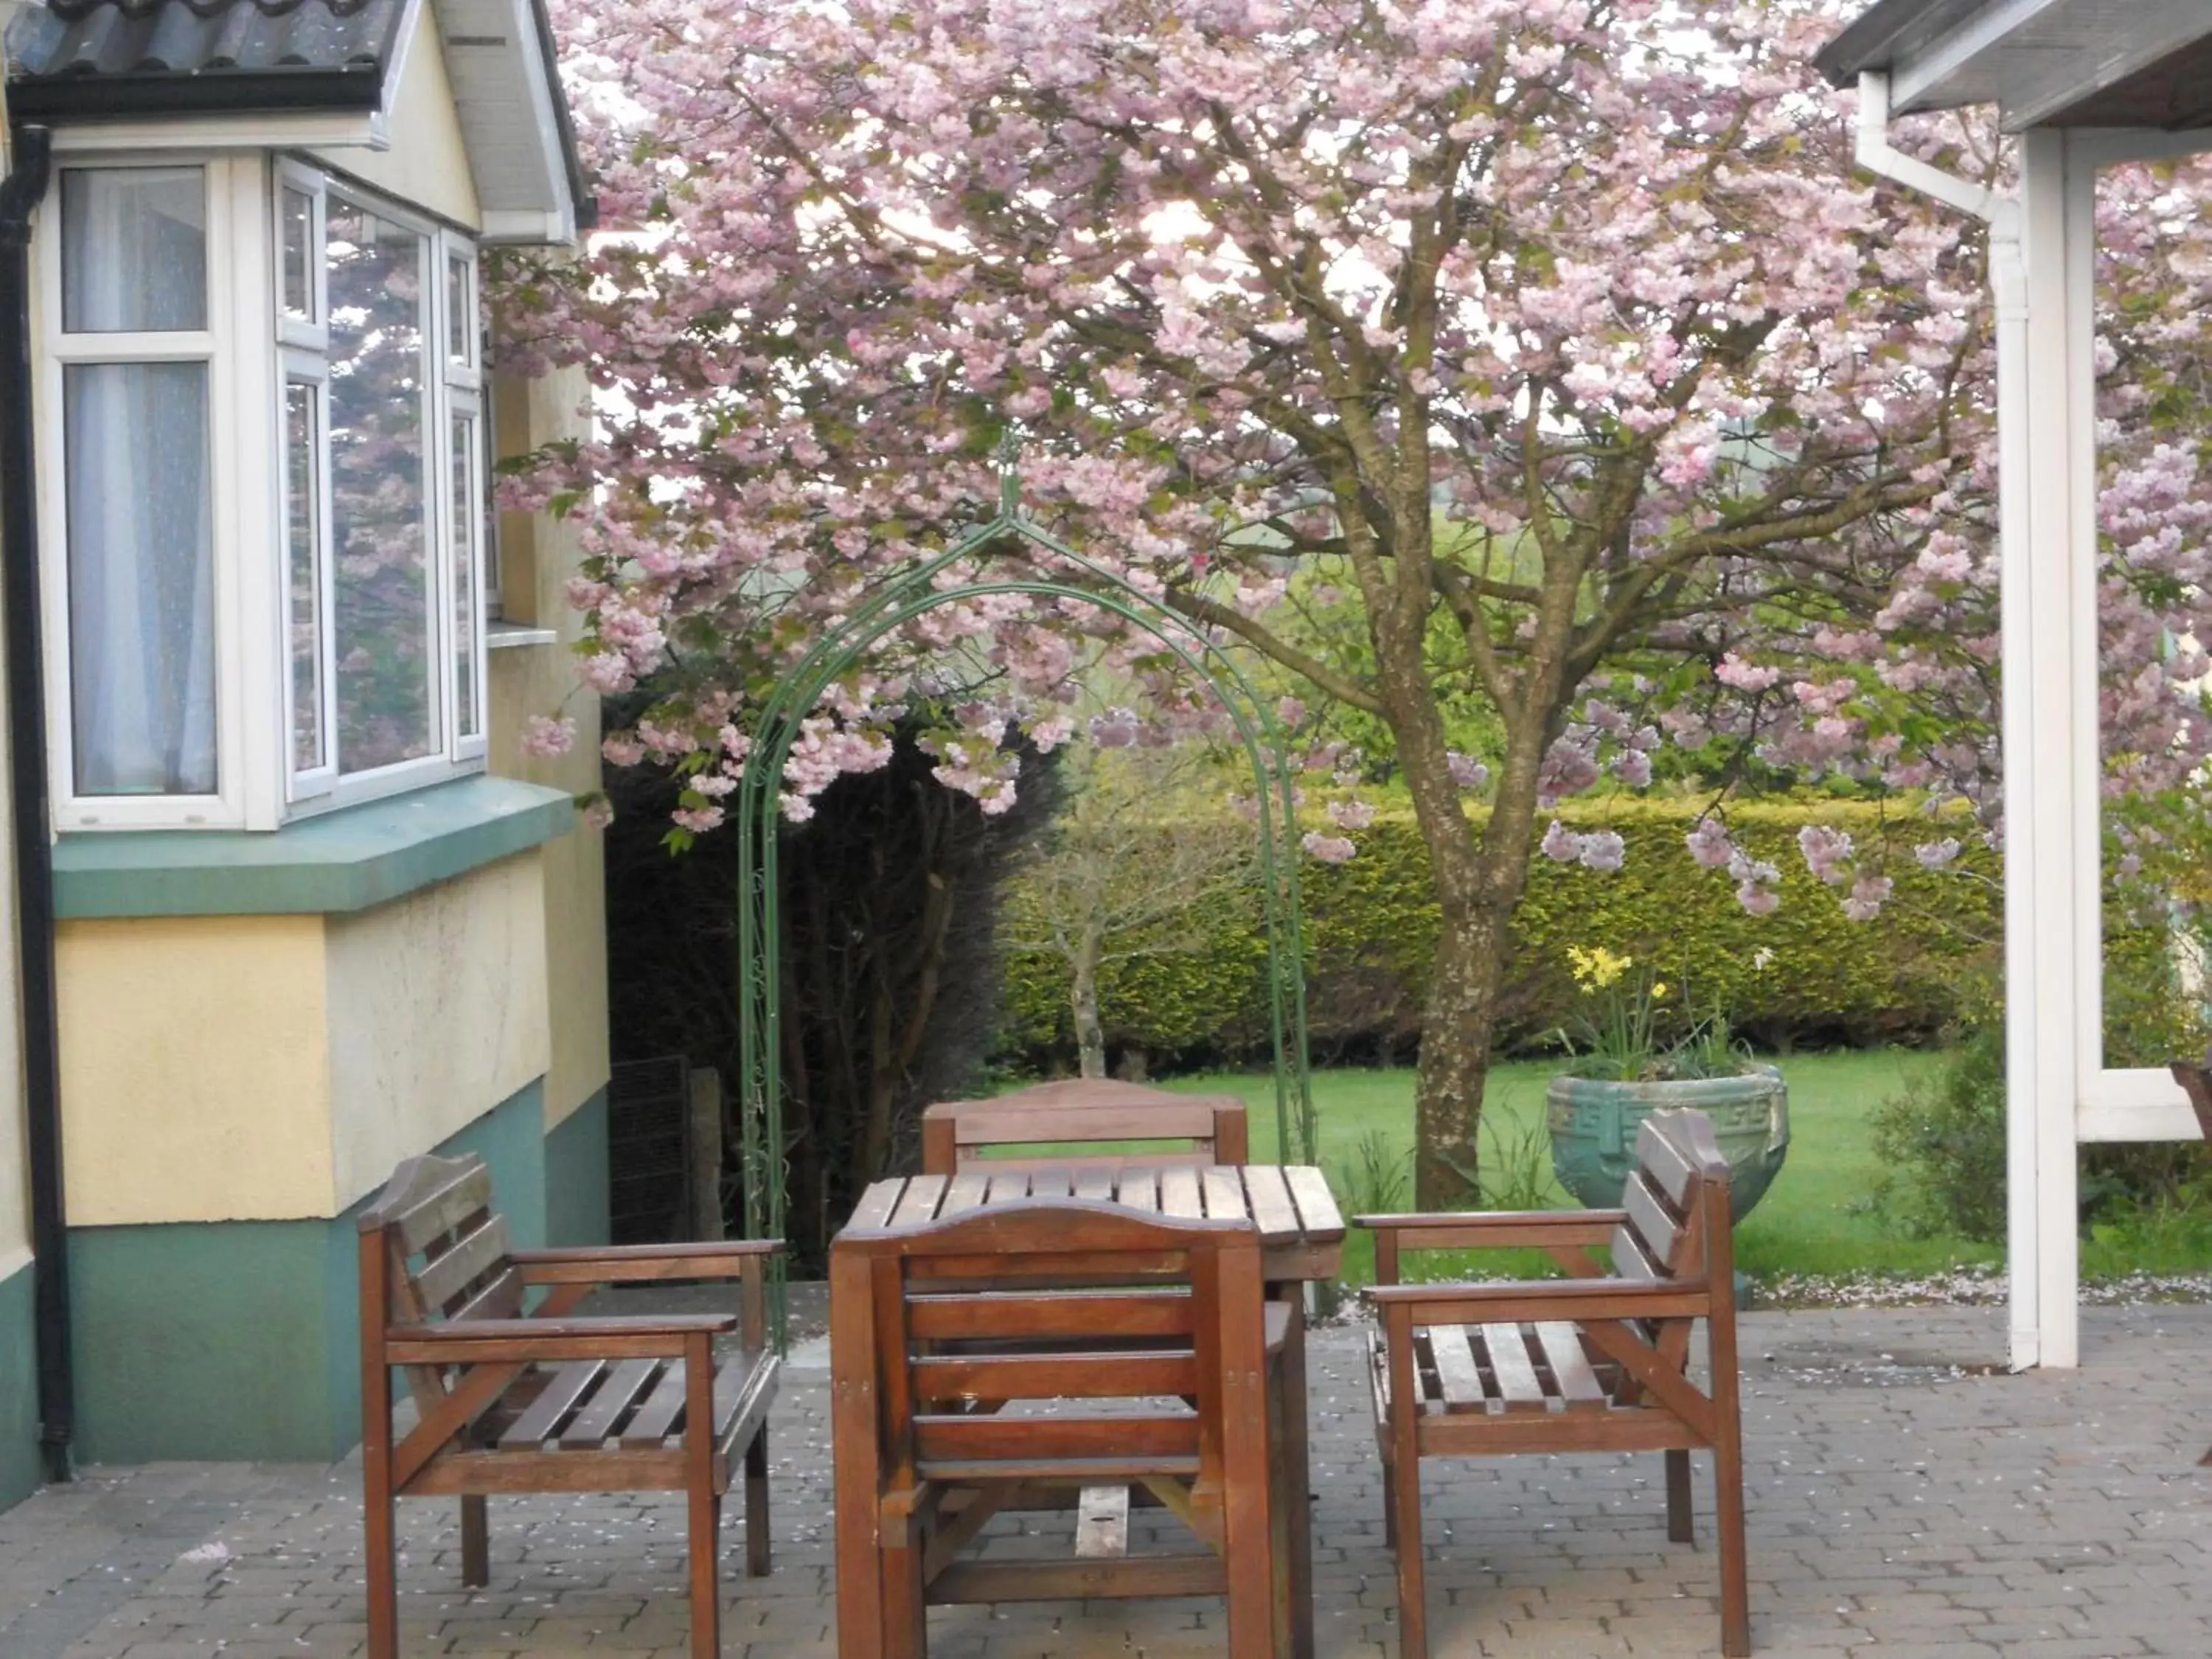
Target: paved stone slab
[(1907, 1501)]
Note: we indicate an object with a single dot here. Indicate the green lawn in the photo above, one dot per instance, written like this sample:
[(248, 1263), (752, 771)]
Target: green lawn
[(1816, 1218)]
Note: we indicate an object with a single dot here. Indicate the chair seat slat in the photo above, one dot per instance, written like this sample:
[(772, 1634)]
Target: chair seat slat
[(555, 1400), (1573, 1379), (1459, 1380), (616, 1392), (654, 1420), (1512, 1374)]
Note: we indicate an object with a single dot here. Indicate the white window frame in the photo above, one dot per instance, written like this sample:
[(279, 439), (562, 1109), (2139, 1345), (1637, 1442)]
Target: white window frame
[(236, 466), (455, 391), (465, 396), (254, 351)]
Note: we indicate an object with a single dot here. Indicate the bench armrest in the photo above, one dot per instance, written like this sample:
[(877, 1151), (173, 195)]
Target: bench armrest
[(1495, 1230), (644, 1263), (1532, 1301), (521, 1341)]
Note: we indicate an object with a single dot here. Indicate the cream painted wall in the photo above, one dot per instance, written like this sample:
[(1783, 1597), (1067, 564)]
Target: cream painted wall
[(437, 1013), (195, 1082), (537, 557), (429, 161), (229, 1069)]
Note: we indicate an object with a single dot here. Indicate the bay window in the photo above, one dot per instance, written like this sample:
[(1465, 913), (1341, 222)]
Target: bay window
[(267, 494)]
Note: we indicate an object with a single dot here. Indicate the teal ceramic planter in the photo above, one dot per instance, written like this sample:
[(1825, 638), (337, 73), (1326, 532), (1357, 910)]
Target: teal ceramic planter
[(1594, 1126)]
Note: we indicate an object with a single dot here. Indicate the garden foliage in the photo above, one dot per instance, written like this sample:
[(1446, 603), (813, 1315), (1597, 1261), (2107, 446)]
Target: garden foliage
[(1806, 974)]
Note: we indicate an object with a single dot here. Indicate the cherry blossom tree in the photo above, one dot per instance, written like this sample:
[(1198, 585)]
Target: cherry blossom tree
[(1548, 350)]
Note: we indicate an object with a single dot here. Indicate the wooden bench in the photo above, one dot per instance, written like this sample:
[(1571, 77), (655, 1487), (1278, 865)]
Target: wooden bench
[(1595, 1362), (1086, 1110), (947, 1335), (513, 1399)]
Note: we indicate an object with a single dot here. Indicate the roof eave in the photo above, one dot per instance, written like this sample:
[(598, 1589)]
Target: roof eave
[(61, 99)]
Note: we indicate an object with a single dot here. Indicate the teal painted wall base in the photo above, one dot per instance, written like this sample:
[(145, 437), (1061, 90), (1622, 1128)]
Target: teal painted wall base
[(240, 1339), (19, 1388), (578, 1186)]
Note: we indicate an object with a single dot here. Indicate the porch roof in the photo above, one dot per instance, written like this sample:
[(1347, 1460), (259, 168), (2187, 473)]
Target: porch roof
[(2042, 63)]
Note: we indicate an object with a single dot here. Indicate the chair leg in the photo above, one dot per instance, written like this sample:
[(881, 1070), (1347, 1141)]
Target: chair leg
[(756, 1532), (906, 1607), (1682, 1528), (1728, 1527), (380, 1549), (476, 1543), (1412, 1581), (705, 1541), (1297, 1471), (1389, 1505)]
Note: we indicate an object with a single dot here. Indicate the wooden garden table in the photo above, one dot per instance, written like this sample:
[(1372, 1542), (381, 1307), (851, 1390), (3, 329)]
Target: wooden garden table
[(1301, 1240)]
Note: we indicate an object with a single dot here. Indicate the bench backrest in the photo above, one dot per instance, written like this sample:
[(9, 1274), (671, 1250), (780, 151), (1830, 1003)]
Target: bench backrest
[(432, 1250), (1092, 1111), (1669, 1200), (444, 1252), (958, 1319)]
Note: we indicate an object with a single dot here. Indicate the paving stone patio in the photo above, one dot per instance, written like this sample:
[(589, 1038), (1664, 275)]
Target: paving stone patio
[(1907, 1501)]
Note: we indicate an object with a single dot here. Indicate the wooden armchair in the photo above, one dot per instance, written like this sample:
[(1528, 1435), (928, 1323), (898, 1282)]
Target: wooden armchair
[(944, 1338), (1597, 1362), (1086, 1109), (509, 1399)]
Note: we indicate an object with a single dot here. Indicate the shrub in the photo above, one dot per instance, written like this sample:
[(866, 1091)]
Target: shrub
[(1804, 975), (1941, 1142)]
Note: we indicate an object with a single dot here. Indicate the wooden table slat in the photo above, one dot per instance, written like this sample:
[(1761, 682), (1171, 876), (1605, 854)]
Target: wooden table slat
[(1138, 1188), (1096, 1184), (919, 1202), (876, 1205), (1008, 1184), (1049, 1183), (1223, 1194), (1317, 1211), (964, 1192), (1269, 1199), (1179, 1193)]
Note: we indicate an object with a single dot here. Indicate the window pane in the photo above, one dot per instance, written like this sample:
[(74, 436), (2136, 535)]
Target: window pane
[(386, 661), (303, 530), (134, 249), (467, 515), (460, 312), (298, 230), (141, 572)]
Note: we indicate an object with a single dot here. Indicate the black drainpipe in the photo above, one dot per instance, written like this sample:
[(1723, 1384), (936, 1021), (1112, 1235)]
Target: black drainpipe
[(24, 188)]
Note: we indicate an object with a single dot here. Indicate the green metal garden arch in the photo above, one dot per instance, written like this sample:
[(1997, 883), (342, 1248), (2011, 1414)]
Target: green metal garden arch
[(892, 602)]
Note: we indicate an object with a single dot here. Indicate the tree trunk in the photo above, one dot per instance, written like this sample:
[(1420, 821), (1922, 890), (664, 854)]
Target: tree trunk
[(1090, 1030), (1477, 885), (1456, 1028)]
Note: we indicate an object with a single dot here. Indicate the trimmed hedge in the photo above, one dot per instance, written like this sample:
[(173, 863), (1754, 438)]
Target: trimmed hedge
[(1804, 975)]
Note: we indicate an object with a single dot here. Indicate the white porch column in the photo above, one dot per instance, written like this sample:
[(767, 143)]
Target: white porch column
[(2049, 606)]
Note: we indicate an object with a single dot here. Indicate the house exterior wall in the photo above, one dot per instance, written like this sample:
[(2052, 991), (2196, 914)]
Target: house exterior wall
[(537, 557), (428, 162), (19, 1392), (235, 1089), (257, 1027)]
